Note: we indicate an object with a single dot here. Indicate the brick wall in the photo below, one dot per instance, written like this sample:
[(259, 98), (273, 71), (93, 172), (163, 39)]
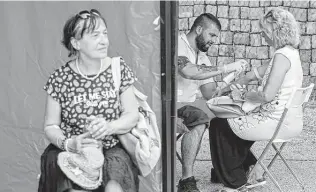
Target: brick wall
[(240, 37)]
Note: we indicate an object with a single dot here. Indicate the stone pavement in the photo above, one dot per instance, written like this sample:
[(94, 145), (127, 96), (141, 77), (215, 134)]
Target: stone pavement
[(300, 153)]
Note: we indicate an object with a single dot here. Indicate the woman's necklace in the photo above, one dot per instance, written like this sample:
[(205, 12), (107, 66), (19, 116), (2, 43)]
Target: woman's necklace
[(86, 76)]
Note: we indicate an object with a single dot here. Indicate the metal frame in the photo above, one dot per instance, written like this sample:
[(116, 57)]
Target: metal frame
[(273, 140), (169, 42)]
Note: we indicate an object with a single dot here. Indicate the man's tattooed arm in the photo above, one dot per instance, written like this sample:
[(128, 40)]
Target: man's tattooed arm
[(182, 62), (205, 68), (196, 72)]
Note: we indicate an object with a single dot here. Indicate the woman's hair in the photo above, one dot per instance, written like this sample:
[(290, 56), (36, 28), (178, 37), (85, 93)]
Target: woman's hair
[(77, 25), (285, 30)]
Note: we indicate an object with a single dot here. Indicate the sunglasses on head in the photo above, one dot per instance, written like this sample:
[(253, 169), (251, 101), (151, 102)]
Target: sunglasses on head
[(86, 14), (270, 17)]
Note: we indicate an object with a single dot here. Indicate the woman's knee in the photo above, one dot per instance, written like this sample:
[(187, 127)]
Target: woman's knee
[(113, 185)]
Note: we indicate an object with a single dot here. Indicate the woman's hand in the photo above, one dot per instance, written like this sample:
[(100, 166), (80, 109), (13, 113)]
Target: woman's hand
[(99, 127), (218, 92), (76, 144), (238, 91)]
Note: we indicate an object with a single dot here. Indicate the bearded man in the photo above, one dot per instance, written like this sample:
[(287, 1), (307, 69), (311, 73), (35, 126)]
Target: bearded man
[(195, 77)]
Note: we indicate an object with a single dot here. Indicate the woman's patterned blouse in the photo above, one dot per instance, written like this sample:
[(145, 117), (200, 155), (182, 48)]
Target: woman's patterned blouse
[(80, 98)]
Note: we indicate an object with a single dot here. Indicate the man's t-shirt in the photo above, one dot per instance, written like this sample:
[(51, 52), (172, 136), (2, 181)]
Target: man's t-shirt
[(189, 89), (80, 98)]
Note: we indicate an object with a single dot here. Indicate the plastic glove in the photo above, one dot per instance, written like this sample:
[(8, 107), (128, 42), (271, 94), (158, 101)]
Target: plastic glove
[(238, 66), (241, 88)]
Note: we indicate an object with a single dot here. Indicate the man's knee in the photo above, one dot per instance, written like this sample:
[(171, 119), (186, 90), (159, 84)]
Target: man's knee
[(198, 131), (193, 117)]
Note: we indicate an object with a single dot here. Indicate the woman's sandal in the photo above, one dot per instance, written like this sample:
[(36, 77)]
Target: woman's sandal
[(240, 189), (246, 187), (259, 182), (253, 181)]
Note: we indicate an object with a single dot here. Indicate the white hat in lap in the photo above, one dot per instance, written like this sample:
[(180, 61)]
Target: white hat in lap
[(85, 168)]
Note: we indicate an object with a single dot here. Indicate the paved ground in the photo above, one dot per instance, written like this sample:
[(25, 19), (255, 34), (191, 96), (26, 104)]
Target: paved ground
[(300, 153)]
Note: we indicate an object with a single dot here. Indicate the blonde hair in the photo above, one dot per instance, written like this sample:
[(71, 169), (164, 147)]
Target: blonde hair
[(285, 29)]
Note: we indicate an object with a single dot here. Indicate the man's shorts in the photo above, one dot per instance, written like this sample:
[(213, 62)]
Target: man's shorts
[(189, 117)]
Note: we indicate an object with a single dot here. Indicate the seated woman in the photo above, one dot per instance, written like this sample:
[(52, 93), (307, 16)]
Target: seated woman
[(83, 88), (231, 139)]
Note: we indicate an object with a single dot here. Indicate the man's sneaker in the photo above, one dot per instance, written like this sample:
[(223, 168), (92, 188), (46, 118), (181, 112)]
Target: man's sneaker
[(188, 185)]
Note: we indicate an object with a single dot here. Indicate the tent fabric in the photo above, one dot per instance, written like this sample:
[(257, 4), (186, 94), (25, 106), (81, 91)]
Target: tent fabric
[(31, 50)]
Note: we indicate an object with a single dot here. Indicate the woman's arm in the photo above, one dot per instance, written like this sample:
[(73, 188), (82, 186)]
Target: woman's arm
[(280, 66), (52, 122), (208, 90), (129, 116), (251, 76), (245, 80), (55, 135), (100, 128)]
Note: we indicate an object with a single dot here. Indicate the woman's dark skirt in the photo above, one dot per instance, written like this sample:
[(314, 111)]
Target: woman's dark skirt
[(118, 166), (231, 155)]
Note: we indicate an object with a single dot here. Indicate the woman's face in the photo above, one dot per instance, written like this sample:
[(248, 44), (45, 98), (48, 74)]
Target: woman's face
[(266, 33), (267, 38), (95, 44)]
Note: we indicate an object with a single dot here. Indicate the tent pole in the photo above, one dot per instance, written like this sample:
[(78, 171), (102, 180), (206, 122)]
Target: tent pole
[(169, 42)]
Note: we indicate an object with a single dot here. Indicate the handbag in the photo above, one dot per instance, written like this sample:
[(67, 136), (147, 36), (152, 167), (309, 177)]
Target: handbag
[(146, 133), (225, 107)]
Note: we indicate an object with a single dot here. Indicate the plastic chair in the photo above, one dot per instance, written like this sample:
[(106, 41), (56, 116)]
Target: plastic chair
[(299, 97)]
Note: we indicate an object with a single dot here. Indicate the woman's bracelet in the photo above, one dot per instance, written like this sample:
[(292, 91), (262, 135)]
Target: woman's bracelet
[(68, 148), (62, 143), (66, 145)]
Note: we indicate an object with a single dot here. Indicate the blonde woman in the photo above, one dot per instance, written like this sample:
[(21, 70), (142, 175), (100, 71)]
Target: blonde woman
[(231, 139)]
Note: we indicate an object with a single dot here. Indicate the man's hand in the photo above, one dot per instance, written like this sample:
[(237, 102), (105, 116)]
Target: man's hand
[(238, 66), (238, 87)]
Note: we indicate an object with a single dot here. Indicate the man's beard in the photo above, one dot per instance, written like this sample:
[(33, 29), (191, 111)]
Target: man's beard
[(201, 44)]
